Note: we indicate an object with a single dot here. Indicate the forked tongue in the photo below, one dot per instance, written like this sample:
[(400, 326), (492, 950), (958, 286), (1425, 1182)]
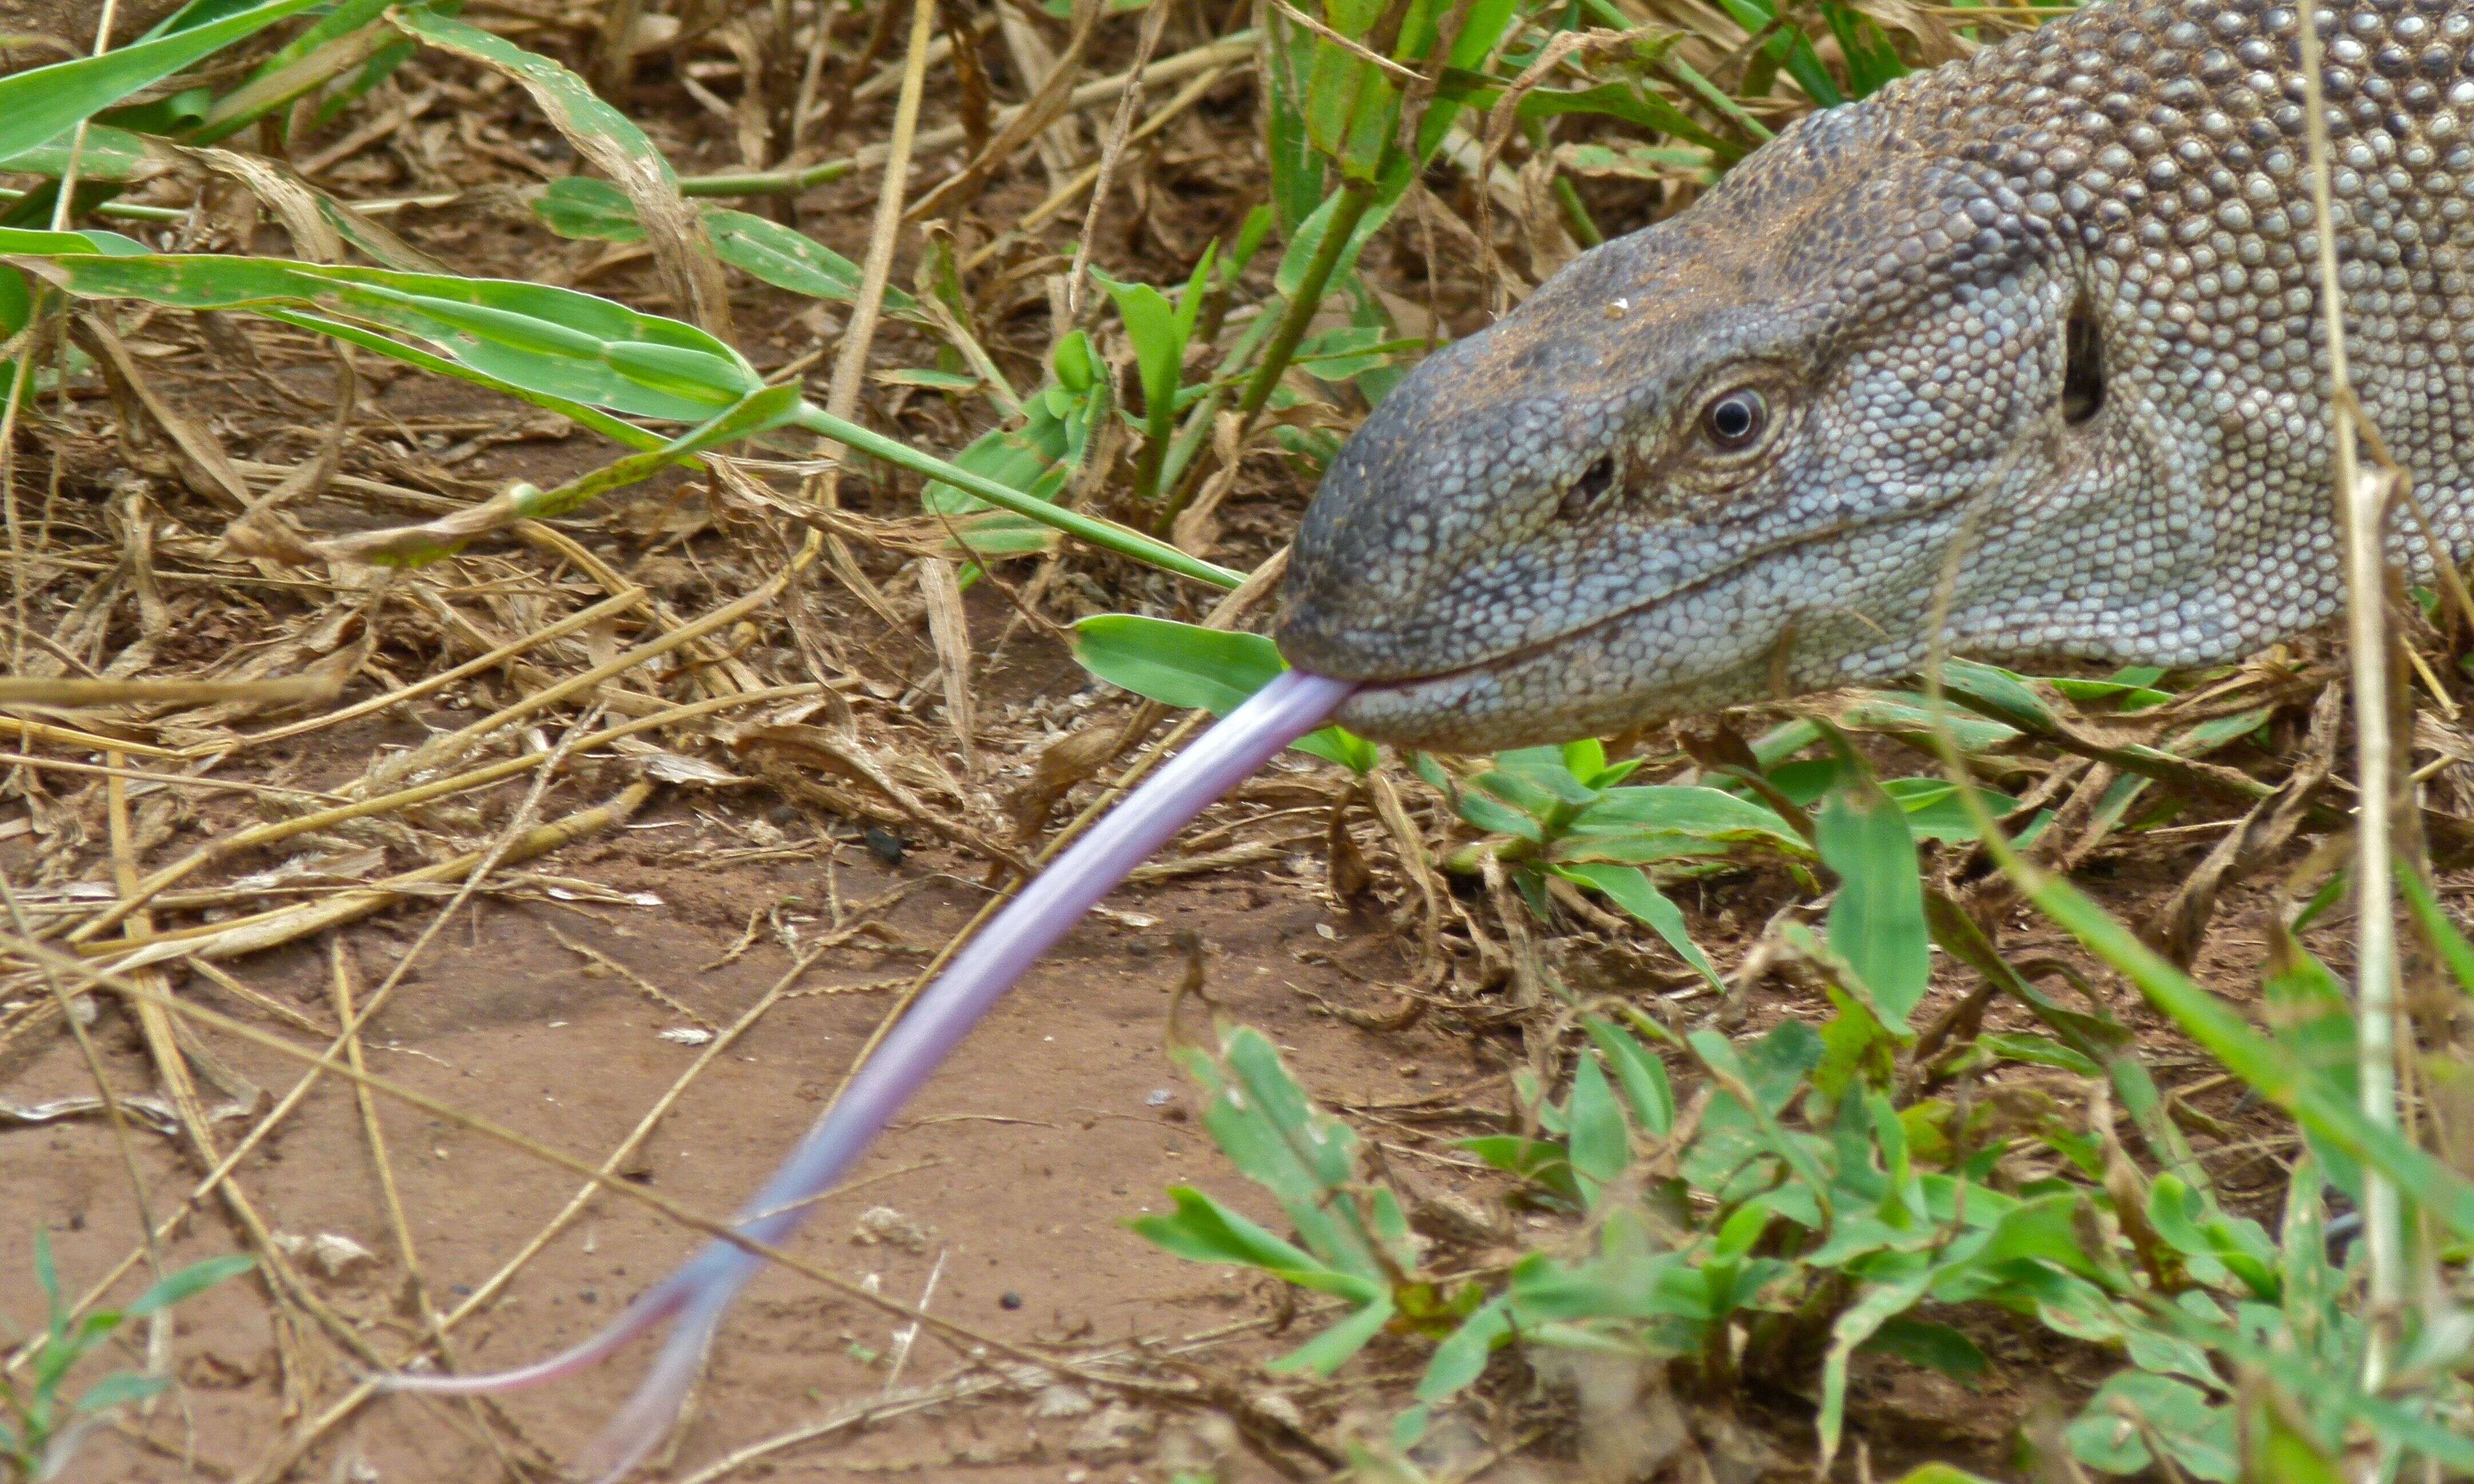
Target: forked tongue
[(698, 1294)]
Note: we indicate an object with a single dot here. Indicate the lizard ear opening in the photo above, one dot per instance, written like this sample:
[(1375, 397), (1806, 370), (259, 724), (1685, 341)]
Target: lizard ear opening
[(2082, 364)]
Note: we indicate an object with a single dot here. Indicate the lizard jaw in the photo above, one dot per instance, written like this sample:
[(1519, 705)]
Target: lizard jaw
[(1611, 673)]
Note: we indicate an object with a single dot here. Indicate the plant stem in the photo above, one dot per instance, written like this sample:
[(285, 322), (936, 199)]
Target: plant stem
[(1124, 540), (2361, 508), (768, 182), (1159, 429), (1355, 196), (126, 211)]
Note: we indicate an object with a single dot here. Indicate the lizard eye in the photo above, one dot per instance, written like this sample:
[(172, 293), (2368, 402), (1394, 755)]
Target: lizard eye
[(1736, 420), (1590, 487)]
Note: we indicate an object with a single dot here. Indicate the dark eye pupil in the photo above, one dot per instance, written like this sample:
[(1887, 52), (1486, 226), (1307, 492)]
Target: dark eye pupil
[(1734, 418)]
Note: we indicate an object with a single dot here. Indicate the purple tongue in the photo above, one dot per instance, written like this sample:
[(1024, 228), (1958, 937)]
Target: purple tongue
[(701, 1292)]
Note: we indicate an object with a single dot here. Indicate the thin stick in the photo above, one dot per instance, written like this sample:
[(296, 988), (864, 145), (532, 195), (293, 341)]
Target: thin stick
[(112, 1108), (77, 139), (487, 1292), (1060, 199), (611, 607), (1154, 21), (329, 1062), (167, 779), (257, 835), (1236, 49), (850, 363), (2361, 506)]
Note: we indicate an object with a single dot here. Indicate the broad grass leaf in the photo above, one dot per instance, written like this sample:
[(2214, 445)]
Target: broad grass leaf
[(1307, 240), (1159, 350), (120, 1389), (1325, 1353), (1788, 48), (1647, 1094), (1297, 169), (792, 260), (111, 155), (1599, 1145), (554, 340), (1875, 1304), (1871, 61), (1192, 667), (1922, 1342), (594, 418), (1461, 1357), (2113, 1431), (1200, 1230), (1542, 770), (1876, 921), (1629, 887), (416, 546), (324, 56), (587, 209), (1682, 808), (42, 102), (2003, 693), (594, 211)]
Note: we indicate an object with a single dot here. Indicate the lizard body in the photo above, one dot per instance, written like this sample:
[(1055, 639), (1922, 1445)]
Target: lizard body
[(2058, 301)]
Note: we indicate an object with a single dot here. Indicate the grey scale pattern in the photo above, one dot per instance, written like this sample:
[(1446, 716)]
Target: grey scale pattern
[(1538, 535)]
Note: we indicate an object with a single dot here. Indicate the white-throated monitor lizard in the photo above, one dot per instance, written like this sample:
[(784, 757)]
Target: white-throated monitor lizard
[(2060, 300)]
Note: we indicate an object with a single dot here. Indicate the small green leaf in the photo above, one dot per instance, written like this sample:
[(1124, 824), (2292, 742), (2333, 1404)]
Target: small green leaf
[(1641, 1076), (774, 253), (2114, 1431), (1876, 921), (1629, 887), (1921, 1342), (1600, 1145), (121, 1389), (1461, 1357), (189, 1281), (590, 209), (1200, 1230), (1208, 669)]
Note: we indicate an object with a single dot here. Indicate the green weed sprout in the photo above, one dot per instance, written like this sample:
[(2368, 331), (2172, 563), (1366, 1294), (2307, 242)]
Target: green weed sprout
[(41, 1426)]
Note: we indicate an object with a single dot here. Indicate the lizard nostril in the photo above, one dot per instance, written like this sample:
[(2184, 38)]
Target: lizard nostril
[(1592, 487), (2082, 364)]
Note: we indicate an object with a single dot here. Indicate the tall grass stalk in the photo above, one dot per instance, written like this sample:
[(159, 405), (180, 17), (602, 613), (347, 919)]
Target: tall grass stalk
[(2360, 511)]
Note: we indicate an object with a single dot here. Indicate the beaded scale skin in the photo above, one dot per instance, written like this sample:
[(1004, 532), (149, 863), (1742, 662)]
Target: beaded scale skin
[(2058, 301)]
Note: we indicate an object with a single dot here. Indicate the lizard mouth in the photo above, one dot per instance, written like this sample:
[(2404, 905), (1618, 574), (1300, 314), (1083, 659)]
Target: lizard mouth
[(1535, 649), (1436, 705)]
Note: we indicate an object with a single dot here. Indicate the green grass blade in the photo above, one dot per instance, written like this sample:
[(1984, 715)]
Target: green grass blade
[(552, 341), (1876, 921), (42, 102), (1107, 535), (368, 339), (111, 155), (2274, 1070)]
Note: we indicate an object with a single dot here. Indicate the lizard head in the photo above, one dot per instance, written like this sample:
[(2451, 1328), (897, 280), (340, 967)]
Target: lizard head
[(1714, 462)]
